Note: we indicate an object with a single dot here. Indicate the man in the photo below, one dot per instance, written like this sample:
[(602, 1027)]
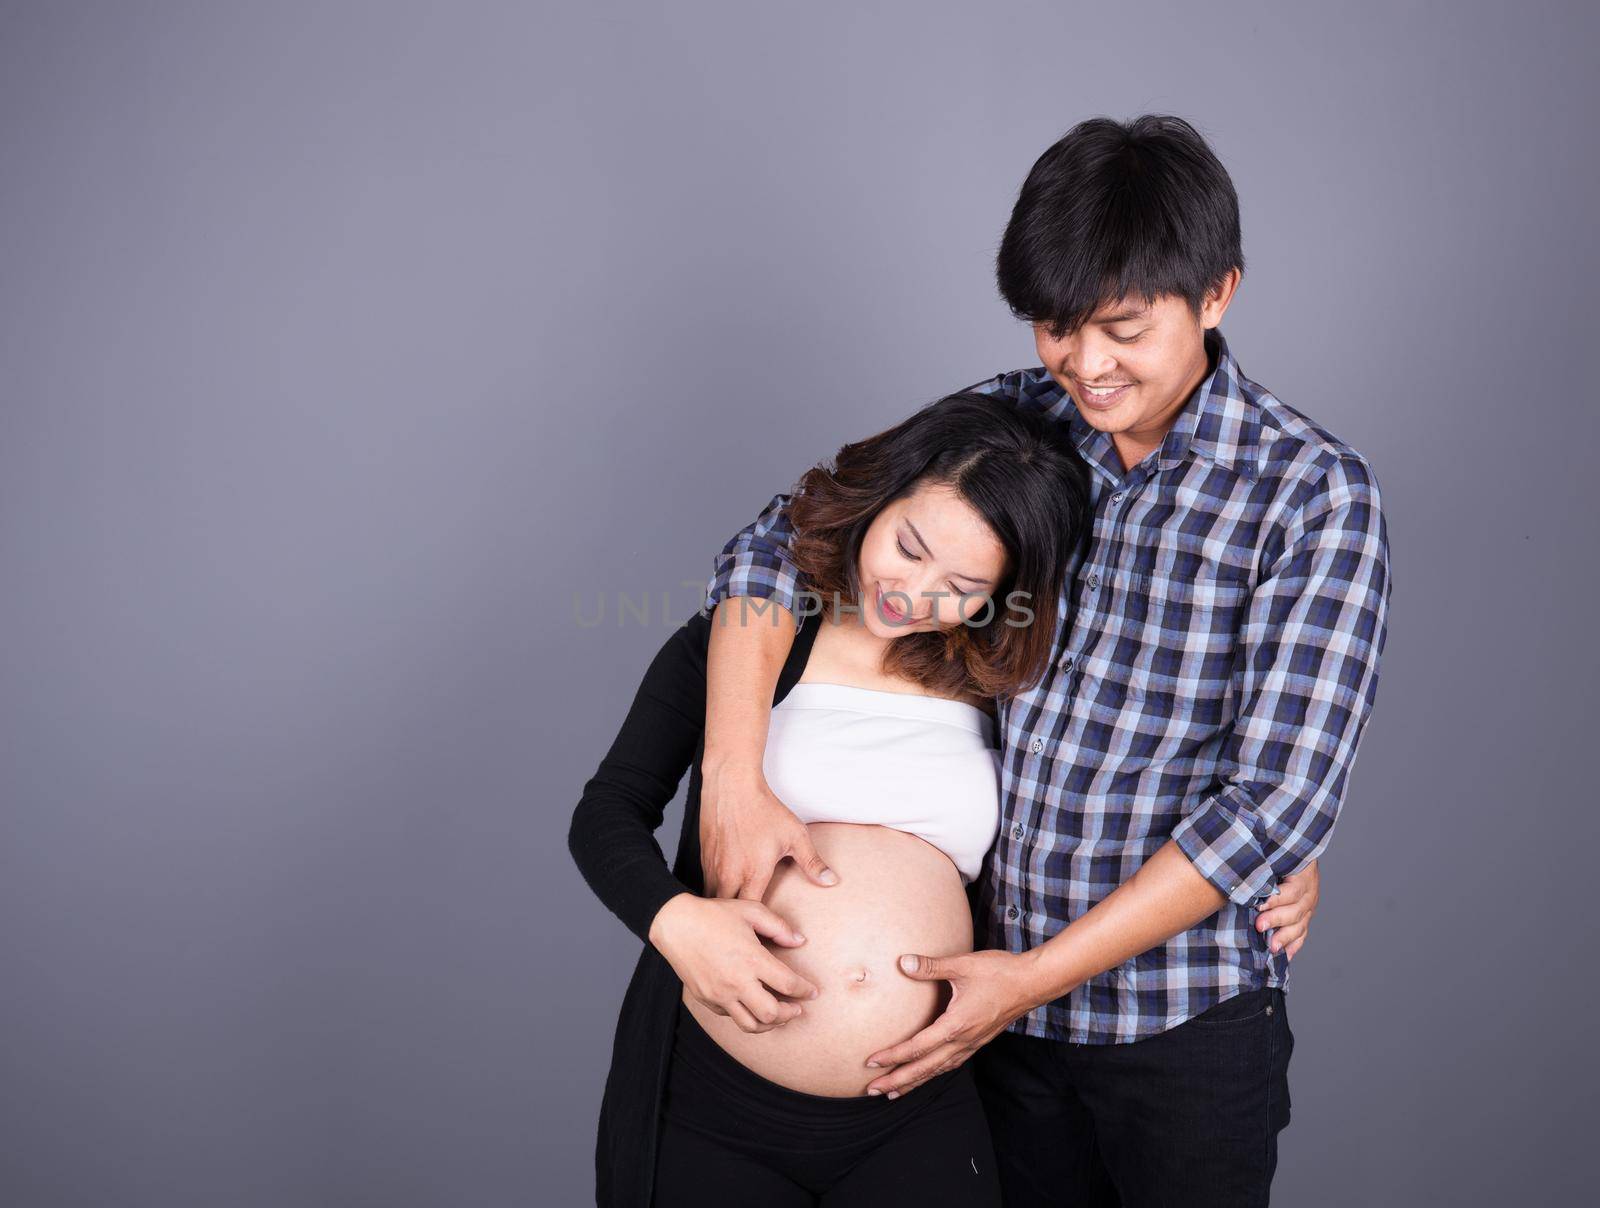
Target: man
[(1216, 661)]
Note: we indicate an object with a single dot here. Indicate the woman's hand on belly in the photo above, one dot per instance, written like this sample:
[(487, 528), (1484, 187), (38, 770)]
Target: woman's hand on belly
[(714, 946), (896, 893)]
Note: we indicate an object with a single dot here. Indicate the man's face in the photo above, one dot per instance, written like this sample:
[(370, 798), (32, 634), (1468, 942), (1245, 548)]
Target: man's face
[(1151, 357)]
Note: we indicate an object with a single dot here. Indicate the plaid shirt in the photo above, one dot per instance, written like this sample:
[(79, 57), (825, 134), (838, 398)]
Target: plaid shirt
[(1216, 658)]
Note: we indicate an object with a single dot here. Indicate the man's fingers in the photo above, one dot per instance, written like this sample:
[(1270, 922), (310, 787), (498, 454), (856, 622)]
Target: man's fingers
[(908, 1050), (754, 886), (729, 885), (1295, 947), (805, 855), (708, 863), (928, 968), (909, 1077)]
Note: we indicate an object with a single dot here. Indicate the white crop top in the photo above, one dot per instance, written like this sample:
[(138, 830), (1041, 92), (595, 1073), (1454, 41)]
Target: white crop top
[(922, 764)]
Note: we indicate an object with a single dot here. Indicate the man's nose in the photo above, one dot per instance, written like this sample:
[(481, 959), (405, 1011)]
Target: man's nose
[(1080, 355), (1089, 362)]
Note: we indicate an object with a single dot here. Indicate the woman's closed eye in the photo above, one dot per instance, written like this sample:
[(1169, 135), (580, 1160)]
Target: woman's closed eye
[(957, 590)]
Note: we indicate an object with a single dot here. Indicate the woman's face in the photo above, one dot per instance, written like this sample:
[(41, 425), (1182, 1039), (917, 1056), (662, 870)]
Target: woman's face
[(929, 542)]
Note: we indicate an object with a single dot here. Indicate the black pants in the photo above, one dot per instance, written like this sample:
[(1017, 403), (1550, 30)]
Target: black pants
[(1189, 1118), (733, 1139)]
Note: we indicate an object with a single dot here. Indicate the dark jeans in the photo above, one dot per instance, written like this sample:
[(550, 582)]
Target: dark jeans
[(1187, 1119), (733, 1139)]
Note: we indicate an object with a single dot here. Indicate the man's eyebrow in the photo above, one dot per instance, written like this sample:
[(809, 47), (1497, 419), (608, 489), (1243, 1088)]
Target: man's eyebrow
[(1120, 316), (953, 574)]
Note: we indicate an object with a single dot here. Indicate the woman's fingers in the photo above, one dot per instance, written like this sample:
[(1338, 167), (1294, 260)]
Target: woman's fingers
[(1290, 889), (1287, 914), (1284, 936), (785, 981), (751, 1010), (746, 1021), (768, 922), (1281, 911), (1303, 886), (1282, 916), (768, 1011), (1284, 909)]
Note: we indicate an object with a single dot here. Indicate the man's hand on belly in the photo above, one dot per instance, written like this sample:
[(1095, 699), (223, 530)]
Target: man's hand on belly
[(745, 831), (988, 989)]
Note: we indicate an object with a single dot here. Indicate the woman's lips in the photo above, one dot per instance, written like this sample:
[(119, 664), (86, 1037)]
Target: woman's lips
[(887, 609)]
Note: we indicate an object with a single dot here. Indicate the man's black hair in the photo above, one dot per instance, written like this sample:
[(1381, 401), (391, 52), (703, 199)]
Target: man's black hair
[(1114, 209)]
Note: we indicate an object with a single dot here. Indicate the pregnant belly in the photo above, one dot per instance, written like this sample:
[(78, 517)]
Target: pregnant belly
[(896, 893)]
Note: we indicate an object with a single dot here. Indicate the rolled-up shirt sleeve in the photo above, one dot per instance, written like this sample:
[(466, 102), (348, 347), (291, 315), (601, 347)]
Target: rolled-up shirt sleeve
[(756, 561), (1313, 634)]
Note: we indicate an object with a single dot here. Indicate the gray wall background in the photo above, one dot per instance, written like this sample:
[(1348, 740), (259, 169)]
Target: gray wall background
[(343, 347)]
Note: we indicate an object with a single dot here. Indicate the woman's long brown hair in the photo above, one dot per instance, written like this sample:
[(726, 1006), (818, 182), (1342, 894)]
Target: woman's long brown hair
[(1016, 468)]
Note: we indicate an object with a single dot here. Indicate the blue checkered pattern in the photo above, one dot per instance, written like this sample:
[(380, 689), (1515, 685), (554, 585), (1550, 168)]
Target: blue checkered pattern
[(1221, 660)]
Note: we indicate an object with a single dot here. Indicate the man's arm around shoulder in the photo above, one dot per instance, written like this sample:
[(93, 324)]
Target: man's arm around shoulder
[(744, 829)]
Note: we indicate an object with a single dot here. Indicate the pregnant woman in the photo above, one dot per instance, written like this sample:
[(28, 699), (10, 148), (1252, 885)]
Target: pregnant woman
[(738, 1068)]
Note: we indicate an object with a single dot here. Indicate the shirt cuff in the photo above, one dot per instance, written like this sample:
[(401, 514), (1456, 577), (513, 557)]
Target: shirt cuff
[(1220, 840), (755, 585)]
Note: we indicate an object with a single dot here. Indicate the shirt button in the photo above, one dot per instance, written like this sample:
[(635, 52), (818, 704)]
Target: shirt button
[(1011, 912), (1093, 582), (1116, 499), (1016, 832), (1036, 746), (1066, 663)]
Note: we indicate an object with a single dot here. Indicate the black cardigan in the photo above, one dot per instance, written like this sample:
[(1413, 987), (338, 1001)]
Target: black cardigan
[(612, 838)]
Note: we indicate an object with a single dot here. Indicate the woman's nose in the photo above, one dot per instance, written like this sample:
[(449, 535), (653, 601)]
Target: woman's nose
[(924, 599)]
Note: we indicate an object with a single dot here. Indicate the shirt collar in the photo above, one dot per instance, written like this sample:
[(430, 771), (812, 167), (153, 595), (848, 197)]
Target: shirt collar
[(1221, 423)]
